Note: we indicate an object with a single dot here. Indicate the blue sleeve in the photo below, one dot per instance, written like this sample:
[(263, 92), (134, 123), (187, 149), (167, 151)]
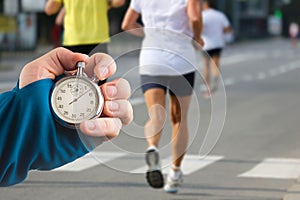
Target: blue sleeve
[(30, 138)]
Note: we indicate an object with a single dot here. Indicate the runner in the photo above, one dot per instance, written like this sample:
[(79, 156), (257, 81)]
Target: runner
[(215, 26), (167, 64), (294, 31)]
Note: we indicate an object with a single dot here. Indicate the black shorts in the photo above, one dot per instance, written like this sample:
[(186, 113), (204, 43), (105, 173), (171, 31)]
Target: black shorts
[(88, 49), (181, 85), (214, 52)]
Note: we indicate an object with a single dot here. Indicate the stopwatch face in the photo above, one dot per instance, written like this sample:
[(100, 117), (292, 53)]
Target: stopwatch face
[(76, 99)]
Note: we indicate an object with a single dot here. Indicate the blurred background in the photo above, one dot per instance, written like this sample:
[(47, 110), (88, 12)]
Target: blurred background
[(257, 155), (24, 26)]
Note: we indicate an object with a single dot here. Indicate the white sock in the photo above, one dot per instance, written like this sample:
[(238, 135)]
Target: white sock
[(175, 172), (152, 147), (175, 168)]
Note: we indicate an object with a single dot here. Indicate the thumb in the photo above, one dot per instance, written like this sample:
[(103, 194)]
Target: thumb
[(50, 65)]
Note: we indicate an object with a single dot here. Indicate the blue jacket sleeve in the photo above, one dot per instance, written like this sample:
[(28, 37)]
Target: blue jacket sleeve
[(30, 138)]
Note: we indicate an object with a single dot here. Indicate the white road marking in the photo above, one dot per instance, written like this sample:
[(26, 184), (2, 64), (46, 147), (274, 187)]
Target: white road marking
[(237, 58), (90, 160), (276, 53), (291, 67), (273, 72), (261, 76), (270, 168), (229, 81), (137, 101), (283, 69), (234, 59), (275, 168), (247, 78), (191, 163)]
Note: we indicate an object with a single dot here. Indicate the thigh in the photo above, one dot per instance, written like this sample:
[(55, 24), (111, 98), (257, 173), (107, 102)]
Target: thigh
[(216, 60), (156, 103), (154, 89)]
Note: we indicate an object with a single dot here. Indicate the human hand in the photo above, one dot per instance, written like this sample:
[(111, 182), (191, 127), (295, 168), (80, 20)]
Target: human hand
[(117, 109)]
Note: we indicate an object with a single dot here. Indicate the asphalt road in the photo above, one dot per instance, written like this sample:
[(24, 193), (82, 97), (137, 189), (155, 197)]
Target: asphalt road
[(244, 143)]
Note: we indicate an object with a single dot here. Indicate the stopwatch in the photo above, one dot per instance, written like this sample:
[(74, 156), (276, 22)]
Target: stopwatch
[(76, 98)]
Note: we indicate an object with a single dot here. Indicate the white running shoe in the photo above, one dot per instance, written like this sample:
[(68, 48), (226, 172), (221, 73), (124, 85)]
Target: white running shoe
[(154, 175), (174, 181)]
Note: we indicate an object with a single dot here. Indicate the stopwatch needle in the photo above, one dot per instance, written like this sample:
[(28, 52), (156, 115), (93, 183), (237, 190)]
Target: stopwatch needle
[(76, 99)]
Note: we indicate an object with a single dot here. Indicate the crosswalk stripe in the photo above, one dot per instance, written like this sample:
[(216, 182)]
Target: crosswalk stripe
[(275, 168), (191, 163), (90, 160)]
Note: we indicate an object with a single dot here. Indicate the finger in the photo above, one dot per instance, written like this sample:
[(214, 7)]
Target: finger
[(102, 127), (100, 64), (50, 65), (61, 59), (116, 89), (121, 109)]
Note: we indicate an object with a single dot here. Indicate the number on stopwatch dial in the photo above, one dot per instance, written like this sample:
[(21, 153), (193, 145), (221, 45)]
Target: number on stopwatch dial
[(76, 99)]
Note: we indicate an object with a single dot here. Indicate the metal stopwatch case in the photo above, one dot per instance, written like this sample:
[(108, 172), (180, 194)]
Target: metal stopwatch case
[(76, 98)]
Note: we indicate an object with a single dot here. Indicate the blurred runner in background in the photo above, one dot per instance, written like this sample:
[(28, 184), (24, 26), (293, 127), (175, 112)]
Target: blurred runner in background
[(86, 24), (294, 31), (215, 26)]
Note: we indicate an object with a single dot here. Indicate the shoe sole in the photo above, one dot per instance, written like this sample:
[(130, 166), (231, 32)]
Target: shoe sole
[(155, 179), (154, 176), (172, 191)]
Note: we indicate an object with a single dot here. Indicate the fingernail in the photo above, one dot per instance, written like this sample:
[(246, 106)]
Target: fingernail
[(111, 91), (103, 72), (90, 125), (113, 106)]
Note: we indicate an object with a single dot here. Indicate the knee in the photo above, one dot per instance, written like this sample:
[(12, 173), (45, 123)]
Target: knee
[(157, 116), (154, 126), (157, 113)]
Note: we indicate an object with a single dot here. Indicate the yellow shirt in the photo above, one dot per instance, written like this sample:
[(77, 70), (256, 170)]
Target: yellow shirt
[(85, 22)]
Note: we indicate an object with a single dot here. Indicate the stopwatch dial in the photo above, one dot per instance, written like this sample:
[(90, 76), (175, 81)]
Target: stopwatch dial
[(75, 100), (77, 90)]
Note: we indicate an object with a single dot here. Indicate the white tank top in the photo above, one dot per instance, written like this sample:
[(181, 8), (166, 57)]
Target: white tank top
[(167, 48)]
